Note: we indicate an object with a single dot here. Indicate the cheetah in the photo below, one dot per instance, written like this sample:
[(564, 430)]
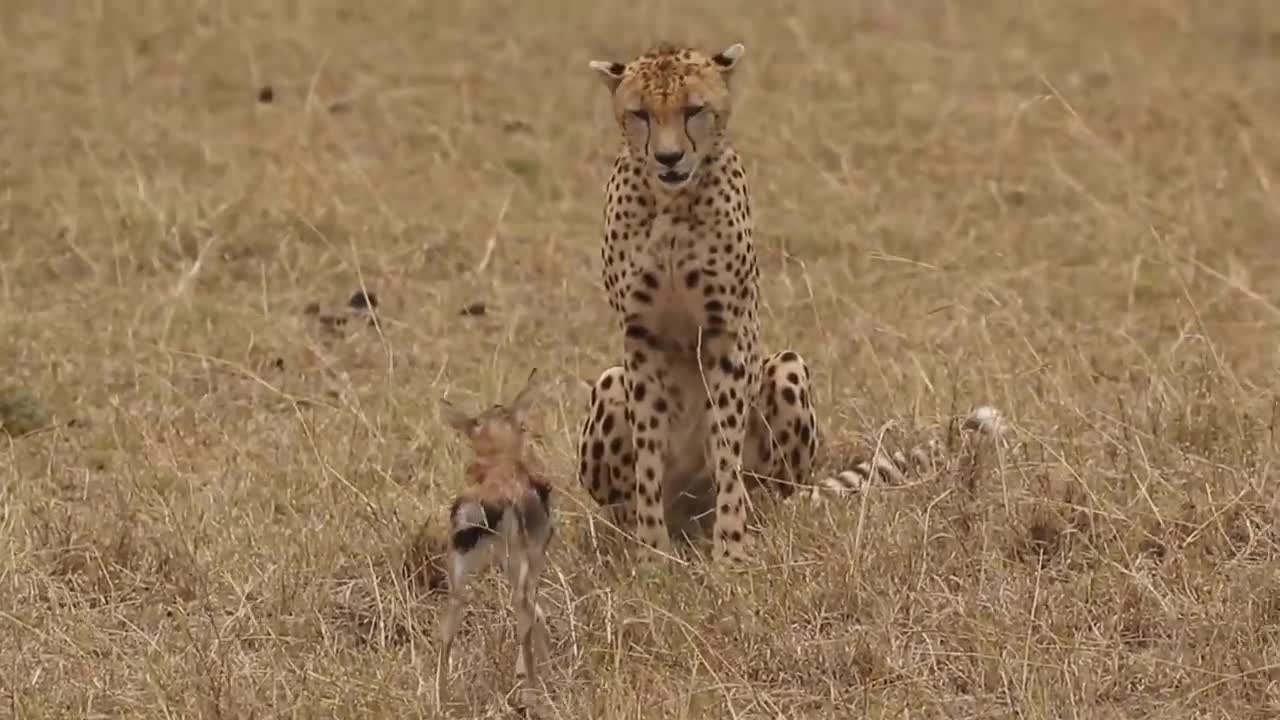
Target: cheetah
[(695, 407), (681, 274)]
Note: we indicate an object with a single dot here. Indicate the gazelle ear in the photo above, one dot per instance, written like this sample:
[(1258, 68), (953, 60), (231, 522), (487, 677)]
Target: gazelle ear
[(611, 72), (727, 59), (523, 404), (455, 418)]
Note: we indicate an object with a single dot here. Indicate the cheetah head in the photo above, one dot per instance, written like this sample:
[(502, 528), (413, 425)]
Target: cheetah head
[(672, 105)]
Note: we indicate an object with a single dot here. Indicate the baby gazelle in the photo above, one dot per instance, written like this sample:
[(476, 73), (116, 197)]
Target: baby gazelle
[(503, 501)]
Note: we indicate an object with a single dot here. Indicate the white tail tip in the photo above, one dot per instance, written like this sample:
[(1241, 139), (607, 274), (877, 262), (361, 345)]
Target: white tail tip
[(985, 419)]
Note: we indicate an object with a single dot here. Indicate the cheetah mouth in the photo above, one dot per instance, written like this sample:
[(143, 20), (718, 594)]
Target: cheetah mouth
[(673, 177)]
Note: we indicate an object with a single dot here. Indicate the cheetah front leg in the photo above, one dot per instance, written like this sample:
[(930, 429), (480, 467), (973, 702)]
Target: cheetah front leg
[(728, 380), (648, 409)]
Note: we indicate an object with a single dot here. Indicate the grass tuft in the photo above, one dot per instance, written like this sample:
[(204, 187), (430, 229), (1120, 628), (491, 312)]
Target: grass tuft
[(1064, 210)]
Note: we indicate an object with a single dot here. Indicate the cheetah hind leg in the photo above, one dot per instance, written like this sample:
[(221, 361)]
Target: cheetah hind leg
[(606, 459), (782, 434)]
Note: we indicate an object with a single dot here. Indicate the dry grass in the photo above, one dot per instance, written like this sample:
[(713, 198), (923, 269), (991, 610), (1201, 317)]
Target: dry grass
[(1066, 209)]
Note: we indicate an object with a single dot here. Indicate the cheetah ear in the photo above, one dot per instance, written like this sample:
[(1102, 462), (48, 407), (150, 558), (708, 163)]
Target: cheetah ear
[(455, 418), (523, 404), (611, 72), (727, 59)]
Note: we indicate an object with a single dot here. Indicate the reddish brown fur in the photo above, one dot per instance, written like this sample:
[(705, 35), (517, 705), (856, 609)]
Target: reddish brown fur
[(501, 480), (505, 499), (498, 478), (499, 474)]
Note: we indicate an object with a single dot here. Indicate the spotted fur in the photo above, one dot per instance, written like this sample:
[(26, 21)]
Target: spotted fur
[(695, 408), (694, 399)]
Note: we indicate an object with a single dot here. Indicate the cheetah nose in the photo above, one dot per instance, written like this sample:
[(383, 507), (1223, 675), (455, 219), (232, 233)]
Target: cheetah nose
[(670, 159)]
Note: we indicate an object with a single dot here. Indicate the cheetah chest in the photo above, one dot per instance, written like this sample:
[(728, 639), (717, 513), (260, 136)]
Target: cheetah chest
[(681, 302), (673, 291)]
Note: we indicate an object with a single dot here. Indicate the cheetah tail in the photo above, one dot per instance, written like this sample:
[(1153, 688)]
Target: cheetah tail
[(895, 467)]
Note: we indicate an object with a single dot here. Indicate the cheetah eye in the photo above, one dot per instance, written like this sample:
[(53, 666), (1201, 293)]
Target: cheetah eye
[(693, 110), (641, 115)]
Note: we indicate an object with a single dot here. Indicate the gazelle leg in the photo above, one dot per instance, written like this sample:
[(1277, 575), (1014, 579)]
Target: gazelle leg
[(537, 561), (519, 576), (462, 563)]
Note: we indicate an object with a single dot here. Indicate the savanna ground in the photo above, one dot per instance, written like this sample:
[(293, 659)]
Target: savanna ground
[(215, 490)]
